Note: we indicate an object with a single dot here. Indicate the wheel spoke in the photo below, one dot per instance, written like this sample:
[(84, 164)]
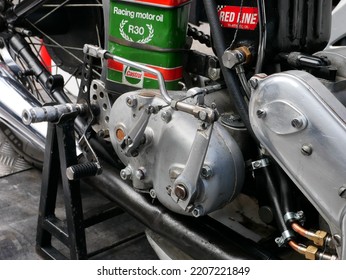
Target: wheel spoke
[(51, 12)]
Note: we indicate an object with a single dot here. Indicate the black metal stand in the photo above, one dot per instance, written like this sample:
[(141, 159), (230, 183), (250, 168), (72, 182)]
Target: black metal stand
[(60, 153)]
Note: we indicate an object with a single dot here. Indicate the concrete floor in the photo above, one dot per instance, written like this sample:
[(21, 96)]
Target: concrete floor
[(19, 201)]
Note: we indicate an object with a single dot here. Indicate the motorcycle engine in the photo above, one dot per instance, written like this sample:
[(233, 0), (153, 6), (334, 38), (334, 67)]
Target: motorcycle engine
[(190, 167)]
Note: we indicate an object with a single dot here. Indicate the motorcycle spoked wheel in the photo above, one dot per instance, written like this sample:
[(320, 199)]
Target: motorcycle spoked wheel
[(80, 22)]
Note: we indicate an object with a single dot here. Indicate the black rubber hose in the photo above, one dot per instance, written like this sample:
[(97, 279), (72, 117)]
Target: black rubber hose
[(231, 80), (274, 200), (285, 191)]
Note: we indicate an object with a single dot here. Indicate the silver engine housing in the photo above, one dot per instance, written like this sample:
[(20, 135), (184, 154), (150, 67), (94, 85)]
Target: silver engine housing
[(302, 125), (162, 157)]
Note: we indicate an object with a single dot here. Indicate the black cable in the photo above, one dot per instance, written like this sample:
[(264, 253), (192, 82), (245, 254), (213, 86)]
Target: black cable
[(232, 82)]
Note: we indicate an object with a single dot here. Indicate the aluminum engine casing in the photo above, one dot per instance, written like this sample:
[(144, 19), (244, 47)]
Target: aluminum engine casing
[(302, 125), (168, 139)]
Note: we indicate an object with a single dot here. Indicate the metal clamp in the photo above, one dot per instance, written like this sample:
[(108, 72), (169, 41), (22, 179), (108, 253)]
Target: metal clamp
[(286, 236), (294, 216), (260, 163)]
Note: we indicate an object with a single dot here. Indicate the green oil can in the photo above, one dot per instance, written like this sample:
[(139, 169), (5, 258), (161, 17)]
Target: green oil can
[(150, 32)]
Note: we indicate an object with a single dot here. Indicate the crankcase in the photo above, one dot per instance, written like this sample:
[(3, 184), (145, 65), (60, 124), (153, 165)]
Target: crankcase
[(165, 149)]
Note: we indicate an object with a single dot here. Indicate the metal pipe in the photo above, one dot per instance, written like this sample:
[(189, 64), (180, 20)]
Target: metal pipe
[(201, 238), (13, 100), (157, 73), (317, 237)]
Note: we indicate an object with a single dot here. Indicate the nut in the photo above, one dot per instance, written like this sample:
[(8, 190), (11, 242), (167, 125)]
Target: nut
[(206, 172), (311, 252), (319, 238), (198, 211)]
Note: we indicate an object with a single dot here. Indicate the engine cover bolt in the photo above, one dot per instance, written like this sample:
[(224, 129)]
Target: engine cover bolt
[(166, 116), (140, 174), (342, 191), (297, 123), (206, 172), (197, 212), (261, 113), (152, 193), (131, 101), (306, 149), (253, 83), (180, 192), (337, 239), (126, 173)]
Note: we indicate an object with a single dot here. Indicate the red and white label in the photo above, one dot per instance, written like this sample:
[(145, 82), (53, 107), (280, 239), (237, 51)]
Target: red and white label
[(232, 16)]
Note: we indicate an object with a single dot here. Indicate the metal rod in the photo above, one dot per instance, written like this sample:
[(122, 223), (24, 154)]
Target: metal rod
[(147, 69)]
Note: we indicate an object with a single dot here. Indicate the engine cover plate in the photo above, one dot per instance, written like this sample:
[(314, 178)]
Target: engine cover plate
[(301, 123)]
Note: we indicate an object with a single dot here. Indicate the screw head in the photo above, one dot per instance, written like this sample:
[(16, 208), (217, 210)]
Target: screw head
[(297, 123), (337, 239), (180, 191), (342, 191), (140, 174), (166, 116), (261, 113), (306, 149)]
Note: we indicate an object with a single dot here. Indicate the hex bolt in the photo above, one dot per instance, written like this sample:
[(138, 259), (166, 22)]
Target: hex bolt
[(180, 192), (342, 191), (126, 173), (166, 116), (206, 172), (131, 101), (261, 113), (297, 123), (140, 174), (306, 149), (198, 211)]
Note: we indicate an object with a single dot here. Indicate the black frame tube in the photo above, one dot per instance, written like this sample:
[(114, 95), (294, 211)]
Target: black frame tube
[(201, 238)]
